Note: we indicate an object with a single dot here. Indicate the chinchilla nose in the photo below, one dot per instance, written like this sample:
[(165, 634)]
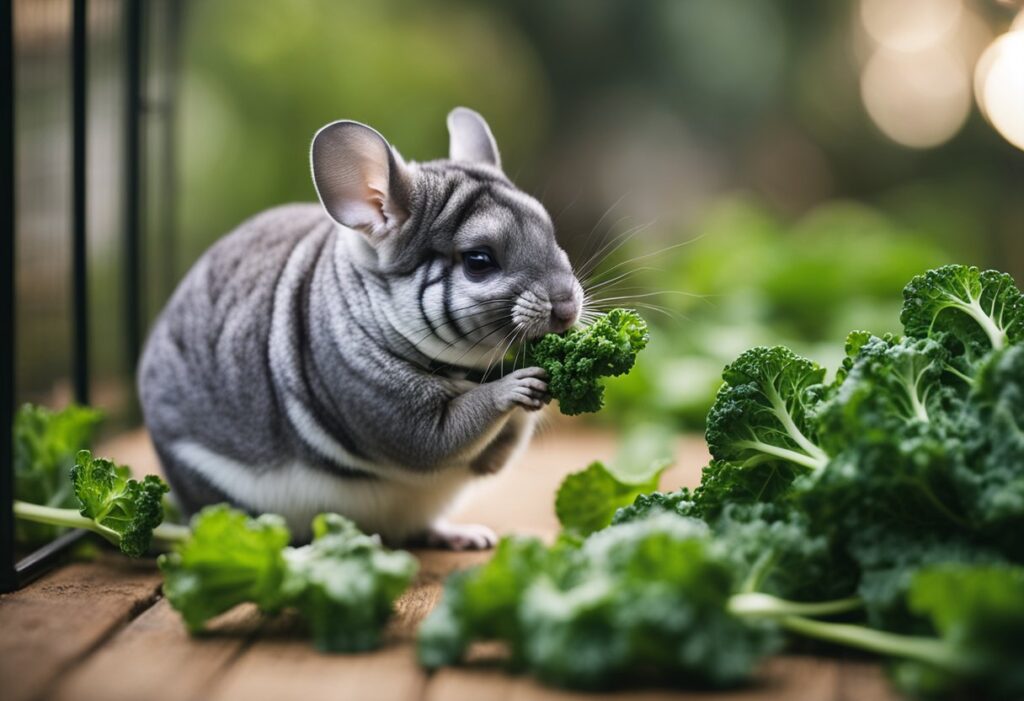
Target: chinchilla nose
[(564, 312)]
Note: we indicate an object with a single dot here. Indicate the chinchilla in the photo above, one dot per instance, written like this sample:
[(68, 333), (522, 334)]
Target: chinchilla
[(332, 358)]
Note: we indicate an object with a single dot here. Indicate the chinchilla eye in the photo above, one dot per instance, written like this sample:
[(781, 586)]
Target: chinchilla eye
[(478, 264)]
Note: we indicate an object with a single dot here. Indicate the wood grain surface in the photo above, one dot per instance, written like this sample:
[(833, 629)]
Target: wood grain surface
[(99, 631)]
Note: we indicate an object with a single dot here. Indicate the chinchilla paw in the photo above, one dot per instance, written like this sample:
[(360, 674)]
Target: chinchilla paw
[(526, 388), (460, 536)]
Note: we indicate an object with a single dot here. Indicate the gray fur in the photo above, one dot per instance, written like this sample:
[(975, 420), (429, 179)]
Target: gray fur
[(319, 358)]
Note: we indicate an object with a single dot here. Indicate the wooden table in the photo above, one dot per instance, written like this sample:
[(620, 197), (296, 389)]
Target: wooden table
[(101, 631)]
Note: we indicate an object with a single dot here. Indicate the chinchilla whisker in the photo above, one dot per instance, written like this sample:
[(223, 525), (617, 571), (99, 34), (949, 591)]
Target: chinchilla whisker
[(596, 283), (651, 254), (614, 243), (427, 329), (497, 357), (598, 223), (475, 345), (618, 278), (619, 242)]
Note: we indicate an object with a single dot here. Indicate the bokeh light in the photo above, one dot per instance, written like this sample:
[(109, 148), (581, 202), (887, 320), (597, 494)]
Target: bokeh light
[(919, 100), (909, 25), (999, 86)]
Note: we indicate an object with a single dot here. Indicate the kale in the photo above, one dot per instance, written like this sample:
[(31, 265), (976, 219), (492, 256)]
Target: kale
[(761, 413), (45, 445), (980, 310), (892, 495), (125, 511), (645, 601), (343, 584), (577, 359)]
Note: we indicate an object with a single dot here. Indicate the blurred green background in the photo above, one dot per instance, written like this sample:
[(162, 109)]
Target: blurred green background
[(765, 171), (728, 145)]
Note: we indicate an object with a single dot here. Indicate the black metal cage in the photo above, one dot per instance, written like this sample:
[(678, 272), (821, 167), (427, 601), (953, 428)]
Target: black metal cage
[(87, 173)]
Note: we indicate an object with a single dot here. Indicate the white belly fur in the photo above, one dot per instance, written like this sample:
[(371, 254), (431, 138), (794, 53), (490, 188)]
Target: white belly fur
[(394, 509)]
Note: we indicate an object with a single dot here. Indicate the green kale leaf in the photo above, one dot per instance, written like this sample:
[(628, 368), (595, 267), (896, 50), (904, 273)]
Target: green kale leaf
[(978, 612), (643, 601), (576, 360), (125, 510), (763, 413), (979, 310), (45, 445), (344, 584), (229, 559)]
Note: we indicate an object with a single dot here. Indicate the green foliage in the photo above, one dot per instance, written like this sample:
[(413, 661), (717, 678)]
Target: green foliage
[(803, 284), (761, 413), (292, 67), (978, 611), (45, 445), (483, 603), (343, 584), (587, 500), (981, 310), (125, 510), (229, 559), (895, 491), (644, 601), (577, 359)]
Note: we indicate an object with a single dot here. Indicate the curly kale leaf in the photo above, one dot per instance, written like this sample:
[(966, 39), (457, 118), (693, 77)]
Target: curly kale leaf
[(888, 562), (992, 477), (763, 412), (980, 310), (649, 603), (887, 386), (229, 559), (777, 550), (125, 510), (978, 612), (576, 360), (483, 603), (344, 584), (645, 600), (680, 502), (45, 445), (587, 500)]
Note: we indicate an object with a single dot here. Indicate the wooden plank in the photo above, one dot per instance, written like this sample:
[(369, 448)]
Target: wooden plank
[(154, 658), (779, 679), (54, 622), (860, 680), (284, 665), (281, 663)]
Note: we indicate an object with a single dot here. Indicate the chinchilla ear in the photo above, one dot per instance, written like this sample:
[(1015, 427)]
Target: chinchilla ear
[(470, 138), (361, 180)]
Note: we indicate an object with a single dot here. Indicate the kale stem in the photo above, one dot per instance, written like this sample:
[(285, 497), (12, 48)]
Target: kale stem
[(166, 532), (759, 605), (929, 650)]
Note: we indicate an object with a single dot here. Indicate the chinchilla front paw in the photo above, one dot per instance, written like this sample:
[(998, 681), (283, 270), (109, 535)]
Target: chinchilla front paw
[(526, 388)]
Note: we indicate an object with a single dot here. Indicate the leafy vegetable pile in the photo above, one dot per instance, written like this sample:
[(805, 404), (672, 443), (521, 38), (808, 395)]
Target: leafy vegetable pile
[(577, 359), (45, 445), (126, 512), (892, 495), (343, 584)]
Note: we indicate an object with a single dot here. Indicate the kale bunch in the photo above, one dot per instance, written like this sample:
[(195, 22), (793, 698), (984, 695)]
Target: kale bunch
[(577, 359), (45, 445), (125, 511), (343, 584), (639, 602), (891, 495)]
